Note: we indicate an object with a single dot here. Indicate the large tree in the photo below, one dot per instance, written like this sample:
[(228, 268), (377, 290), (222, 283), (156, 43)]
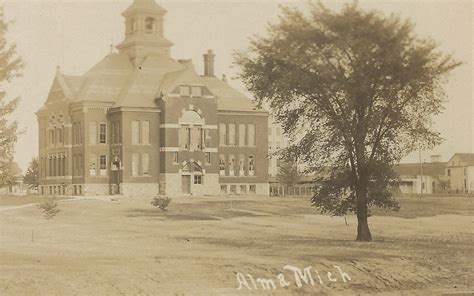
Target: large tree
[(356, 91), (10, 66)]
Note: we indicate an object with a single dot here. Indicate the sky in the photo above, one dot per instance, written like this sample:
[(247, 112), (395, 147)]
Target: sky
[(75, 35)]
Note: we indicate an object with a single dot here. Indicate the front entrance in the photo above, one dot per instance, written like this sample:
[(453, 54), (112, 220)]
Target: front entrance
[(186, 184)]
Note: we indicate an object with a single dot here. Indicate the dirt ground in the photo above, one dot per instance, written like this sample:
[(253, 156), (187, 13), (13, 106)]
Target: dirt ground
[(211, 246)]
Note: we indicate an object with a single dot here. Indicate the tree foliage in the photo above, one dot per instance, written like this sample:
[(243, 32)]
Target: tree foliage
[(355, 91), (32, 174), (10, 66), (288, 173)]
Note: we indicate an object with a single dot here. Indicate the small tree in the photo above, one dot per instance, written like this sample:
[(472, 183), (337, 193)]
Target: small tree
[(32, 174), (288, 174), (355, 91), (49, 208)]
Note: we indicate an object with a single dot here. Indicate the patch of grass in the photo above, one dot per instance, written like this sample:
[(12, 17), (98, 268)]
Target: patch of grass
[(18, 200)]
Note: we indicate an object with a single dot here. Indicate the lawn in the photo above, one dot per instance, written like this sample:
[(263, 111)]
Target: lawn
[(204, 246)]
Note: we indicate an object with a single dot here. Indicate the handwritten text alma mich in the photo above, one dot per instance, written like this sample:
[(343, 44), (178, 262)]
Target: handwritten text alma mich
[(300, 277)]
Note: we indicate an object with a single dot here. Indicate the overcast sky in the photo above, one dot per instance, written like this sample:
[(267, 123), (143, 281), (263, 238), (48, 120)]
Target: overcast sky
[(77, 34)]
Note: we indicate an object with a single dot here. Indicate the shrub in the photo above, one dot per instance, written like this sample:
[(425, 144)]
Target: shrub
[(161, 202), (49, 207)]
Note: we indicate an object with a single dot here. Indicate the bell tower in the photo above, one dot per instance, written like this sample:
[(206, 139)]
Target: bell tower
[(144, 31)]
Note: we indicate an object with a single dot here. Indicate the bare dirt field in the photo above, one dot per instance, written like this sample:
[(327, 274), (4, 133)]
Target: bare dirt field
[(208, 245)]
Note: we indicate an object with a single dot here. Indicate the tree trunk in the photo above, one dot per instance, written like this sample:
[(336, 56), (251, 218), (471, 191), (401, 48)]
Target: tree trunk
[(363, 231)]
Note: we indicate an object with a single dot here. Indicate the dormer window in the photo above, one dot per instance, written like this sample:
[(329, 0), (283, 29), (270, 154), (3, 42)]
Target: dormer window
[(150, 24), (196, 91), (184, 91)]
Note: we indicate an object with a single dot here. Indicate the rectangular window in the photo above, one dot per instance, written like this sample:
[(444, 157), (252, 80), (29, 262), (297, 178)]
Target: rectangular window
[(145, 132), (251, 135), (183, 138), (223, 189), (145, 164), (79, 133), (232, 165), (449, 172), (222, 134), (242, 165), (135, 161), (103, 165), (184, 91), (242, 135), (175, 157), (195, 138), (93, 165), (80, 164), (198, 179), (208, 157), (196, 91), (103, 133), (92, 133), (253, 189), (207, 138), (233, 189), (118, 135), (135, 132), (232, 134), (243, 189), (74, 165), (251, 164), (222, 164)]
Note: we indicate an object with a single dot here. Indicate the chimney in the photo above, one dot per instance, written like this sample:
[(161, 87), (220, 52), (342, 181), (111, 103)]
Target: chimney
[(209, 63)]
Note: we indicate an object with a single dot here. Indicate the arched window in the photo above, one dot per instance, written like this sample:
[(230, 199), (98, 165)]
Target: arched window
[(150, 24), (191, 117), (133, 25)]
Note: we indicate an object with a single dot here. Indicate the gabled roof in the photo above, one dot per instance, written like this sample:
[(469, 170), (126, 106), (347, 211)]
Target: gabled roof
[(433, 169), (117, 81), (227, 97), (466, 158)]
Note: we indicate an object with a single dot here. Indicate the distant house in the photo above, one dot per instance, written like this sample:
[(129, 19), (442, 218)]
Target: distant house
[(424, 178), (460, 172)]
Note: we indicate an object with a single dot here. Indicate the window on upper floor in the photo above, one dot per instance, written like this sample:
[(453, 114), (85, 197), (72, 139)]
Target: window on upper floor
[(196, 91), (241, 135), (208, 157), (135, 132), (231, 134), (150, 24), (241, 165), (184, 91), (145, 131), (175, 157), (103, 133), (449, 172), (222, 134), (251, 135)]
